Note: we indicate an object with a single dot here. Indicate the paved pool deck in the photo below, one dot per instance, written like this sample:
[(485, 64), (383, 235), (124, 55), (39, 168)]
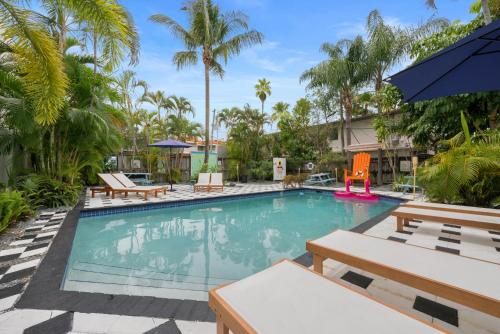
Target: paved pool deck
[(24, 246)]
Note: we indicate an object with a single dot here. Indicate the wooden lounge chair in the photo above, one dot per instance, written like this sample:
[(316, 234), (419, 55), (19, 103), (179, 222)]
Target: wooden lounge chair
[(203, 182), (289, 298), (405, 214), (360, 168), (116, 187), (123, 179), (453, 208), (216, 181), (103, 189), (464, 280)]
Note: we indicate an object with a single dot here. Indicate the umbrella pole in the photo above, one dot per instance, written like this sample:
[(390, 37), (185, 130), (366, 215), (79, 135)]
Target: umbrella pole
[(170, 167)]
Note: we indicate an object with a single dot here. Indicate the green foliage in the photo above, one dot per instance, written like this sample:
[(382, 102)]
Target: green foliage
[(260, 170), (212, 37), (329, 161), (467, 172), (429, 121), (12, 207), (43, 191), (245, 133), (429, 45)]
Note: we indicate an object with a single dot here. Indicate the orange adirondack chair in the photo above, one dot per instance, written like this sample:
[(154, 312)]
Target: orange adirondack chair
[(360, 168)]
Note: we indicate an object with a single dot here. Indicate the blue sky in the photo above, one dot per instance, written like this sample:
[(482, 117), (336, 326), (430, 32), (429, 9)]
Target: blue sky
[(293, 31)]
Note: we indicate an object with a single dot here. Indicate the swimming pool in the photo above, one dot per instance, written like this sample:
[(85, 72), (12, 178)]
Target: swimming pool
[(182, 252)]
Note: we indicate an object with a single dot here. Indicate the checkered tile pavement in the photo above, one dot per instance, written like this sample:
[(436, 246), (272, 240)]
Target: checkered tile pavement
[(20, 256), (460, 240)]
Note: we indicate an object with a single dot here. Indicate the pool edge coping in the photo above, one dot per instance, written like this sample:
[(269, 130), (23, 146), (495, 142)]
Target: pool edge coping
[(43, 290)]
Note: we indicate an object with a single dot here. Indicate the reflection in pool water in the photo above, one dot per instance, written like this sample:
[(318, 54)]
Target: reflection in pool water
[(183, 252)]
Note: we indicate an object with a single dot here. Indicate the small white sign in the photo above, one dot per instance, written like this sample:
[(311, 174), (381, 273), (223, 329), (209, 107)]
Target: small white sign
[(279, 169)]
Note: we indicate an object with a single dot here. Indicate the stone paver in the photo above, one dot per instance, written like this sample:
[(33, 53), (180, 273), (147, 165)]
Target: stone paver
[(21, 254)]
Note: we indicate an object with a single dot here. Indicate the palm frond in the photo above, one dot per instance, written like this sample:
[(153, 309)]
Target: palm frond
[(183, 59), (40, 64)]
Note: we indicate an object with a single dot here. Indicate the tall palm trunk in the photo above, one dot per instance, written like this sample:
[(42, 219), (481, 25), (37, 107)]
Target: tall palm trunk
[(486, 11), (342, 138), (207, 110)]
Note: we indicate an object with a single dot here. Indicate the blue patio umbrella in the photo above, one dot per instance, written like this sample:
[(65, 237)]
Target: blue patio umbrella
[(170, 144), (470, 65)]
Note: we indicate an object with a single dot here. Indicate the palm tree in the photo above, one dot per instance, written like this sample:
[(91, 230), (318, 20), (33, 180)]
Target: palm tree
[(346, 71), (213, 37), (180, 105), (39, 64), (39, 57), (484, 5), (388, 45), (263, 90), (126, 86), (158, 99), (280, 110)]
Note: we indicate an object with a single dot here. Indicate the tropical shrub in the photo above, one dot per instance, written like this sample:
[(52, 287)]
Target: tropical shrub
[(467, 172), (12, 207), (260, 170), (43, 191)]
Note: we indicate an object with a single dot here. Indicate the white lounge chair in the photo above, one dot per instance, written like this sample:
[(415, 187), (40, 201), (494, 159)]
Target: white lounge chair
[(405, 214), (203, 182), (288, 298), (216, 181), (123, 179), (453, 208), (115, 187), (470, 282)]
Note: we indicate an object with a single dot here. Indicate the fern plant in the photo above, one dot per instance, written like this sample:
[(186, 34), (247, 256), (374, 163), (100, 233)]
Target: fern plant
[(467, 172), (12, 207)]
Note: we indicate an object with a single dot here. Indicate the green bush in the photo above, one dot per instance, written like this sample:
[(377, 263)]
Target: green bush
[(43, 191), (12, 207), (260, 170), (467, 171)]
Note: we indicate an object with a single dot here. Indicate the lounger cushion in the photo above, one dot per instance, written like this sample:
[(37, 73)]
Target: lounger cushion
[(438, 206), (288, 298), (480, 277), (447, 215)]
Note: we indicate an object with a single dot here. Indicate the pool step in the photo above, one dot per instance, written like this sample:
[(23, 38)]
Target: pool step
[(90, 273)]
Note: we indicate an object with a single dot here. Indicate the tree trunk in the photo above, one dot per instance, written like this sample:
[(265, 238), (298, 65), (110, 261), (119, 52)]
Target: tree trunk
[(493, 118), (207, 111), (486, 11), (342, 138), (95, 50), (348, 118), (378, 87)]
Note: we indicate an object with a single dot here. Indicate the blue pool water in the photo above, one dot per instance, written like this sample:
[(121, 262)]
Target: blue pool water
[(182, 252)]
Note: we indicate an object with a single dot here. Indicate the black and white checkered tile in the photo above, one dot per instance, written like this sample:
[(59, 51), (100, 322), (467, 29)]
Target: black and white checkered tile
[(185, 192), (19, 259), (20, 255), (182, 192), (476, 243)]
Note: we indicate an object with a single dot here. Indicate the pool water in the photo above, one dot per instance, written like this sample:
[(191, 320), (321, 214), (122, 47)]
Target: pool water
[(182, 252)]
